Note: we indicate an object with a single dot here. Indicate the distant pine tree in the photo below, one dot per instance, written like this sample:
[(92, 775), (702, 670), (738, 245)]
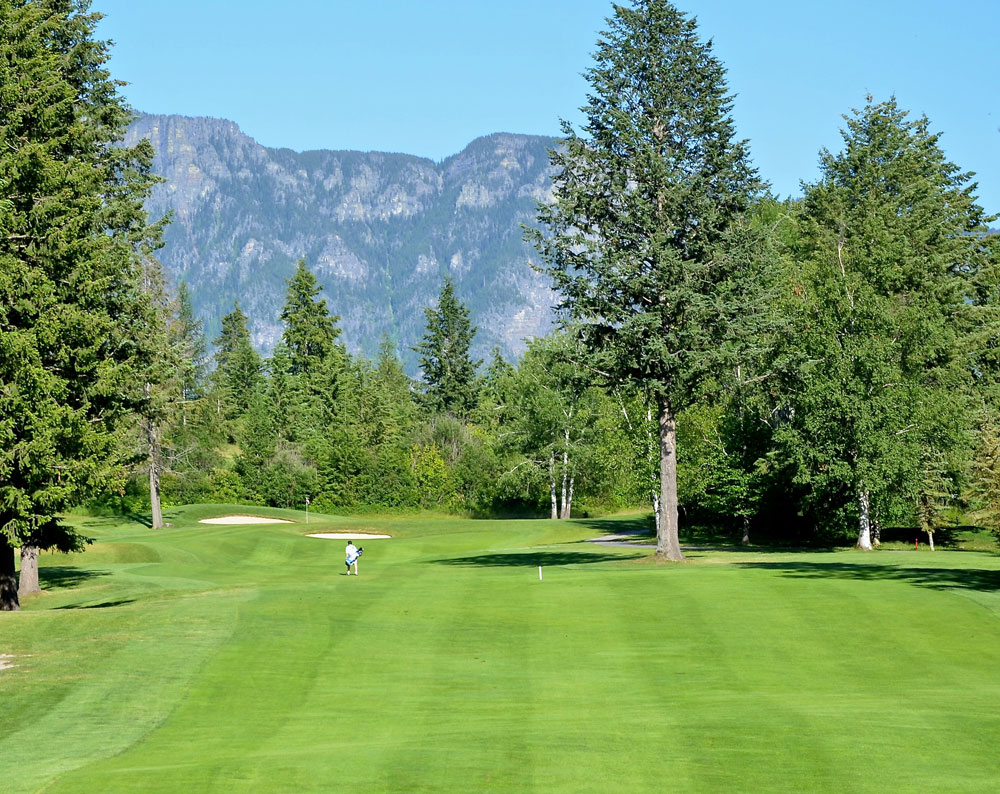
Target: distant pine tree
[(310, 331), (448, 371), (237, 366)]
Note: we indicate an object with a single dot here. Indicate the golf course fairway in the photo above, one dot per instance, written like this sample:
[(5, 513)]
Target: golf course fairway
[(240, 658)]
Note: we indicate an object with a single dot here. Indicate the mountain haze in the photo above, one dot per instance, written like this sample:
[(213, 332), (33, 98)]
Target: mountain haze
[(380, 231)]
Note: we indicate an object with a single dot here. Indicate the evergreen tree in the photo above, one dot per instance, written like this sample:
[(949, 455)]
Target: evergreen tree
[(879, 401), (72, 234), (237, 366), (258, 442), (188, 336), (448, 371), (647, 240), (310, 331)]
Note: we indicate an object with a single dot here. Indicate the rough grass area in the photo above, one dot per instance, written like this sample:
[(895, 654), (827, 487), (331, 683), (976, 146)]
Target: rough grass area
[(240, 659)]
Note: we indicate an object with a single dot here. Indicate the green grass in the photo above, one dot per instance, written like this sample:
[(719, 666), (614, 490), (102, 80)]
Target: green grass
[(240, 659)]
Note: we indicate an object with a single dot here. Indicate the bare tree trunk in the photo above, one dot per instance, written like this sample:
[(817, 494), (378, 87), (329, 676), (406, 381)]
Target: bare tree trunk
[(656, 512), (565, 476), (153, 437), (746, 531), (8, 577), (865, 524), (552, 485), (29, 571), (930, 538), (569, 504), (668, 545)]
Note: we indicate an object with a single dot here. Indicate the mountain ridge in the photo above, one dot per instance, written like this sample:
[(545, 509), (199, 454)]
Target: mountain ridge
[(380, 230)]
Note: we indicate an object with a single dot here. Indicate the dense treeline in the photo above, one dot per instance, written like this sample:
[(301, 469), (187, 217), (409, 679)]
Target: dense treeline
[(865, 400), (314, 422), (794, 370)]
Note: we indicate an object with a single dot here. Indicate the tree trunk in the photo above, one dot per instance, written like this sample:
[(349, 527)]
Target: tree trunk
[(153, 437), (930, 538), (668, 545), (746, 531), (552, 485), (865, 524), (8, 577), (569, 503), (565, 476), (29, 571), (656, 512)]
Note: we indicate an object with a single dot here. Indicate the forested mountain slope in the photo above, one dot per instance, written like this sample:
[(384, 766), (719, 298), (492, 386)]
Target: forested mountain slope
[(379, 230)]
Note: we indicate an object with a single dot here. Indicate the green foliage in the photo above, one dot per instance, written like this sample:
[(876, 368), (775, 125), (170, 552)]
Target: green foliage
[(238, 367), (448, 371), (646, 240), (984, 490), (430, 476), (883, 322), (310, 332)]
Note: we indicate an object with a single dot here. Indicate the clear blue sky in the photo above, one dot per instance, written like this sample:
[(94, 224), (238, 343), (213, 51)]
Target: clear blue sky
[(428, 77)]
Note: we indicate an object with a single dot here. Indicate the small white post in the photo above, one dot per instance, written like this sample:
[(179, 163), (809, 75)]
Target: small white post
[(539, 573)]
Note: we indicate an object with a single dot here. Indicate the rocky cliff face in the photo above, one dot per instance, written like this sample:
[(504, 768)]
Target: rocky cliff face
[(379, 230)]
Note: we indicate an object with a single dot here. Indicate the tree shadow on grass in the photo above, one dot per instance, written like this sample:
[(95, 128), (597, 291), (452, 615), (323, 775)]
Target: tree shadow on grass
[(101, 605), (115, 521), (57, 578), (534, 559), (981, 579)]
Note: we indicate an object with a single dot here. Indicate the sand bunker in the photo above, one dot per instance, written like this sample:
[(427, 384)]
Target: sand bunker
[(347, 536), (244, 520)]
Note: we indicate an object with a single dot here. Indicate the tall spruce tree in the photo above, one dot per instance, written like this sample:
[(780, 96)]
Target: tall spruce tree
[(188, 335), (72, 235), (448, 371), (886, 323), (238, 366), (646, 240), (310, 330)]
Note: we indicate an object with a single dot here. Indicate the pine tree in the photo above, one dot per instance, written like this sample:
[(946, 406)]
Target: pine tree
[(647, 241), (310, 331), (238, 367), (448, 371), (72, 234), (188, 336)]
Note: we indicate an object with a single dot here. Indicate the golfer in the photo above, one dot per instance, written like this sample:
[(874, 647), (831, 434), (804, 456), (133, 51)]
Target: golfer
[(351, 554)]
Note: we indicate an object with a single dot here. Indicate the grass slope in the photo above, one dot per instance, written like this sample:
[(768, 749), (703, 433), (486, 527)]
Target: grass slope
[(240, 659)]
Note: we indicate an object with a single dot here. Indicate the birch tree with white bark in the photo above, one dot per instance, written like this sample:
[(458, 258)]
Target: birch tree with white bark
[(884, 320)]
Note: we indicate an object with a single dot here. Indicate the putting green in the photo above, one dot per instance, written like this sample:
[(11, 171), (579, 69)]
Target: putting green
[(240, 659)]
